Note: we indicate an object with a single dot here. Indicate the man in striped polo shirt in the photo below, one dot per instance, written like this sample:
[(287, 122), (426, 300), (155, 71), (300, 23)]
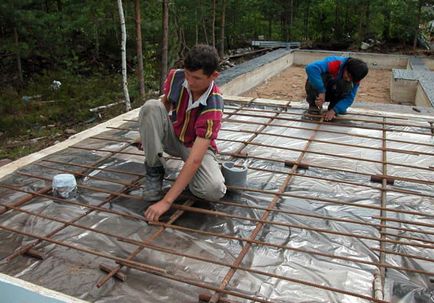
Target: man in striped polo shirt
[(184, 123)]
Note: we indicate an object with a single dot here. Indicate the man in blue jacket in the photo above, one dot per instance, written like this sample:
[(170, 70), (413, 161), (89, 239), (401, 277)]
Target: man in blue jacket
[(336, 80)]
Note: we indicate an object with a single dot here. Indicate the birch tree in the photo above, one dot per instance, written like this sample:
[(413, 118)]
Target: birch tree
[(139, 49), (124, 56), (165, 43), (213, 13), (222, 37)]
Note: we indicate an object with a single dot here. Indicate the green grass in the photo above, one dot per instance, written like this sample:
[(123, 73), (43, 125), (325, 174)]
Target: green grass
[(52, 111)]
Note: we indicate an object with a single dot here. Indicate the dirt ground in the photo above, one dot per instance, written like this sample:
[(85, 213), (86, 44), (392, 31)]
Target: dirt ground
[(289, 85)]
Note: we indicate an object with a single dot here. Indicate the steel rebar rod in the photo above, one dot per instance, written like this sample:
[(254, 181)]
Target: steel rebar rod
[(208, 233), (314, 165), (379, 293), (284, 161), (139, 266), (307, 176), (336, 122), (24, 200), (340, 124), (298, 108), (230, 120), (395, 150), (349, 117), (259, 225), (404, 221), (276, 210), (340, 156), (256, 242), (24, 248), (140, 248), (92, 167), (352, 118), (401, 236), (286, 247), (239, 217), (268, 192), (319, 153), (411, 256), (147, 244), (322, 131), (303, 227), (302, 128)]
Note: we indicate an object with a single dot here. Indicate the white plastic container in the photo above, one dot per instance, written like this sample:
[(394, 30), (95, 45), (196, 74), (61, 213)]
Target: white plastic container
[(64, 186)]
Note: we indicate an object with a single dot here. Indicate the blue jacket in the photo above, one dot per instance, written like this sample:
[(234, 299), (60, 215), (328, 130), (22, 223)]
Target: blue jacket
[(333, 66)]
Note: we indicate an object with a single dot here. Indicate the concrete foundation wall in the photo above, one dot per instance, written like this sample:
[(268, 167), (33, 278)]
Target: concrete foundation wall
[(13, 290), (429, 63), (421, 98), (249, 80), (380, 61), (403, 91)]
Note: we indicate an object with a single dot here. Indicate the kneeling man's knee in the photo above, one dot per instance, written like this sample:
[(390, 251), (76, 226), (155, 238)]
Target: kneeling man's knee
[(212, 191)]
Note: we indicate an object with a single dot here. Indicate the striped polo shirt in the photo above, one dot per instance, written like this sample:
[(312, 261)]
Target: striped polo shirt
[(190, 120)]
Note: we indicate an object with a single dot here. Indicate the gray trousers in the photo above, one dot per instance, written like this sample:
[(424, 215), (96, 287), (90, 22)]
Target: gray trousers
[(157, 134)]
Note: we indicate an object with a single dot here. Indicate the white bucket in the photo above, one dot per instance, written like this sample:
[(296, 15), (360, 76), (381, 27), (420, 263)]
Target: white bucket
[(64, 186)]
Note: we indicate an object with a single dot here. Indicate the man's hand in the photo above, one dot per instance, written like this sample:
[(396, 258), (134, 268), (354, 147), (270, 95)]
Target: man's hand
[(320, 100), (137, 143), (154, 212), (329, 115), (194, 161)]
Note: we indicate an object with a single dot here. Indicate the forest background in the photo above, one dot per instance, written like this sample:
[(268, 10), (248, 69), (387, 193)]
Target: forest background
[(61, 58)]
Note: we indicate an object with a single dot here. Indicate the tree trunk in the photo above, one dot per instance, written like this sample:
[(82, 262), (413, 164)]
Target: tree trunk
[(222, 37), (139, 50), (124, 56), (361, 29), (213, 12), (270, 27), (416, 32), (196, 25), (337, 25), (306, 21), (19, 68), (165, 43), (367, 17), (95, 27), (291, 20), (364, 21), (347, 16), (387, 17), (59, 5), (204, 31)]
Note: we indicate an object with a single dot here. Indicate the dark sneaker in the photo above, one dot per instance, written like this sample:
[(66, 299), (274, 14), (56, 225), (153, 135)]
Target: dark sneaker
[(153, 183), (314, 110)]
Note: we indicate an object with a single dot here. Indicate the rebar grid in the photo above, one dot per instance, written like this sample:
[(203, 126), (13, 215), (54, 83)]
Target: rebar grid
[(232, 216), (238, 205), (239, 155), (259, 223)]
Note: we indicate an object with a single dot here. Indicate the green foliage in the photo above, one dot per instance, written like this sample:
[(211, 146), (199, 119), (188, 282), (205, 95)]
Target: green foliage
[(81, 36)]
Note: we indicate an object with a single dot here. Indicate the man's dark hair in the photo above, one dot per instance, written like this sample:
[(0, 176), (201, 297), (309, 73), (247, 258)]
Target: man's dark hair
[(357, 68), (203, 57)]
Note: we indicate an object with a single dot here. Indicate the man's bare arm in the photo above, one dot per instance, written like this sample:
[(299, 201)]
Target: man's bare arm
[(190, 167)]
